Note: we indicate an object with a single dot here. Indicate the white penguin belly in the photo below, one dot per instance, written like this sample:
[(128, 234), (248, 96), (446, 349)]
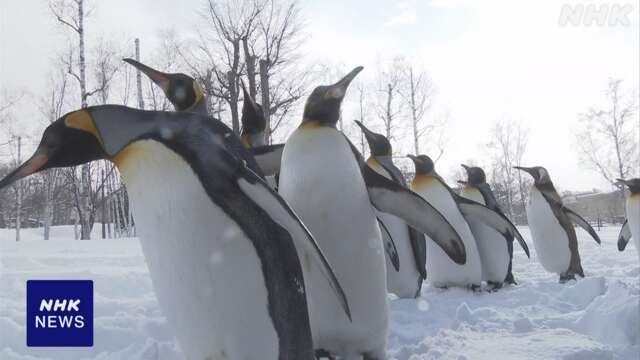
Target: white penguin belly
[(206, 273), (492, 246), (403, 283), (633, 217), (549, 237), (441, 270), (322, 182)]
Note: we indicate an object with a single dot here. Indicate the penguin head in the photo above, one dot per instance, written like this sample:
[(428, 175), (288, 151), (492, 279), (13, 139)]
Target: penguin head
[(378, 143), (94, 133), (63, 144), (540, 175), (253, 120), (633, 184), (183, 91), (475, 175), (424, 165), (323, 105)]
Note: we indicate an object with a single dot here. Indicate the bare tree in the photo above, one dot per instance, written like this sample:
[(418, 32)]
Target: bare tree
[(277, 42), (608, 142), (72, 15), (233, 23), (52, 108), (417, 93), (388, 102), (360, 111), (258, 39), (507, 146)]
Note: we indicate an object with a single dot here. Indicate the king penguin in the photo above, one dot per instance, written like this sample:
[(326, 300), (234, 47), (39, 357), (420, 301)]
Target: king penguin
[(327, 183), (185, 93), (406, 281), (220, 245), (631, 226), (551, 225), (442, 271), (496, 251), (254, 125)]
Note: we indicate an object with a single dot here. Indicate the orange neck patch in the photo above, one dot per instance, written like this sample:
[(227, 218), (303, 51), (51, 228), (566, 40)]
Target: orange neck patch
[(420, 181), (81, 120)]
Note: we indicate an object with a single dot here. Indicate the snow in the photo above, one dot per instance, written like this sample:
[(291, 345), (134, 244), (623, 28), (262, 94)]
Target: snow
[(593, 318)]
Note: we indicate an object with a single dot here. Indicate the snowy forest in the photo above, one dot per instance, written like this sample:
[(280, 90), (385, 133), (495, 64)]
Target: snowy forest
[(257, 42)]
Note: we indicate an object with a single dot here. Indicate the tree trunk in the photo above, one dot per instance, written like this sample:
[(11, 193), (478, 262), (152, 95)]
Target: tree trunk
[(103, 208), (233, 102), (414, 114), (19, 195), (361, 103), (250, 61), (3, 223), (138, 76), (266, 101), (47, 211), (388, 112), (85, 184)]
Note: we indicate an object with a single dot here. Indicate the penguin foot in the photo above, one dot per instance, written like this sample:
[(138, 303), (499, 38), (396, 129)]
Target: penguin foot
[(495, 286), (566, 277), (475, 288), (323, 354), (510, 279), (375, 355)]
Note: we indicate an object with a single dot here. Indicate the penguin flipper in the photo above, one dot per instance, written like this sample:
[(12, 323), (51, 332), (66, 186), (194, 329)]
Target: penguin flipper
[(260, 192), (578, 220), (268, 158), (389, 245), (624, 236), (417, 240), (491, 218), (389, 197), (419, 247)]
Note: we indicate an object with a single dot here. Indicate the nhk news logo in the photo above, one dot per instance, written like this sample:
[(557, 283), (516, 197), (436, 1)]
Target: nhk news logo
[(59, 313)]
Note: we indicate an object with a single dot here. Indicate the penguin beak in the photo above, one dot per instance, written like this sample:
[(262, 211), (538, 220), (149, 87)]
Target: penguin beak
[(252, 119), (462, 182), (465, 167), (245, 93), (248, 100), (339, 89), (31, 166), (367, 133), (159, 78), (623, 182), (528, 170)]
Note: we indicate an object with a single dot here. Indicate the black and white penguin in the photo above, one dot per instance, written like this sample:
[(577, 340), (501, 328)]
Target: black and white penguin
[(496, 251), (254, 125), (460, 212), (551, 225), (442, 271), (406, 280), (220, 245), (327, 183), (631, 226), (183, 91)]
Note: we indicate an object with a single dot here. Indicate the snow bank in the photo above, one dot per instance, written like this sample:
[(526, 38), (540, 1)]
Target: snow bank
[(593, 318)]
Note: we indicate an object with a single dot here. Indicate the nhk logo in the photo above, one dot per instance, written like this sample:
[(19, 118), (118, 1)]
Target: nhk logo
[(59, 313)]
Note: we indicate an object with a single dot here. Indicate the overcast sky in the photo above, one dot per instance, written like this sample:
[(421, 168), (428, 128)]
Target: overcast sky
[(489, 60)]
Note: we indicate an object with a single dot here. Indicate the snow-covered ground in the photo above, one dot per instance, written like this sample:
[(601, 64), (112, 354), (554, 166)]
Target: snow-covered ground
[(594, 318)]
